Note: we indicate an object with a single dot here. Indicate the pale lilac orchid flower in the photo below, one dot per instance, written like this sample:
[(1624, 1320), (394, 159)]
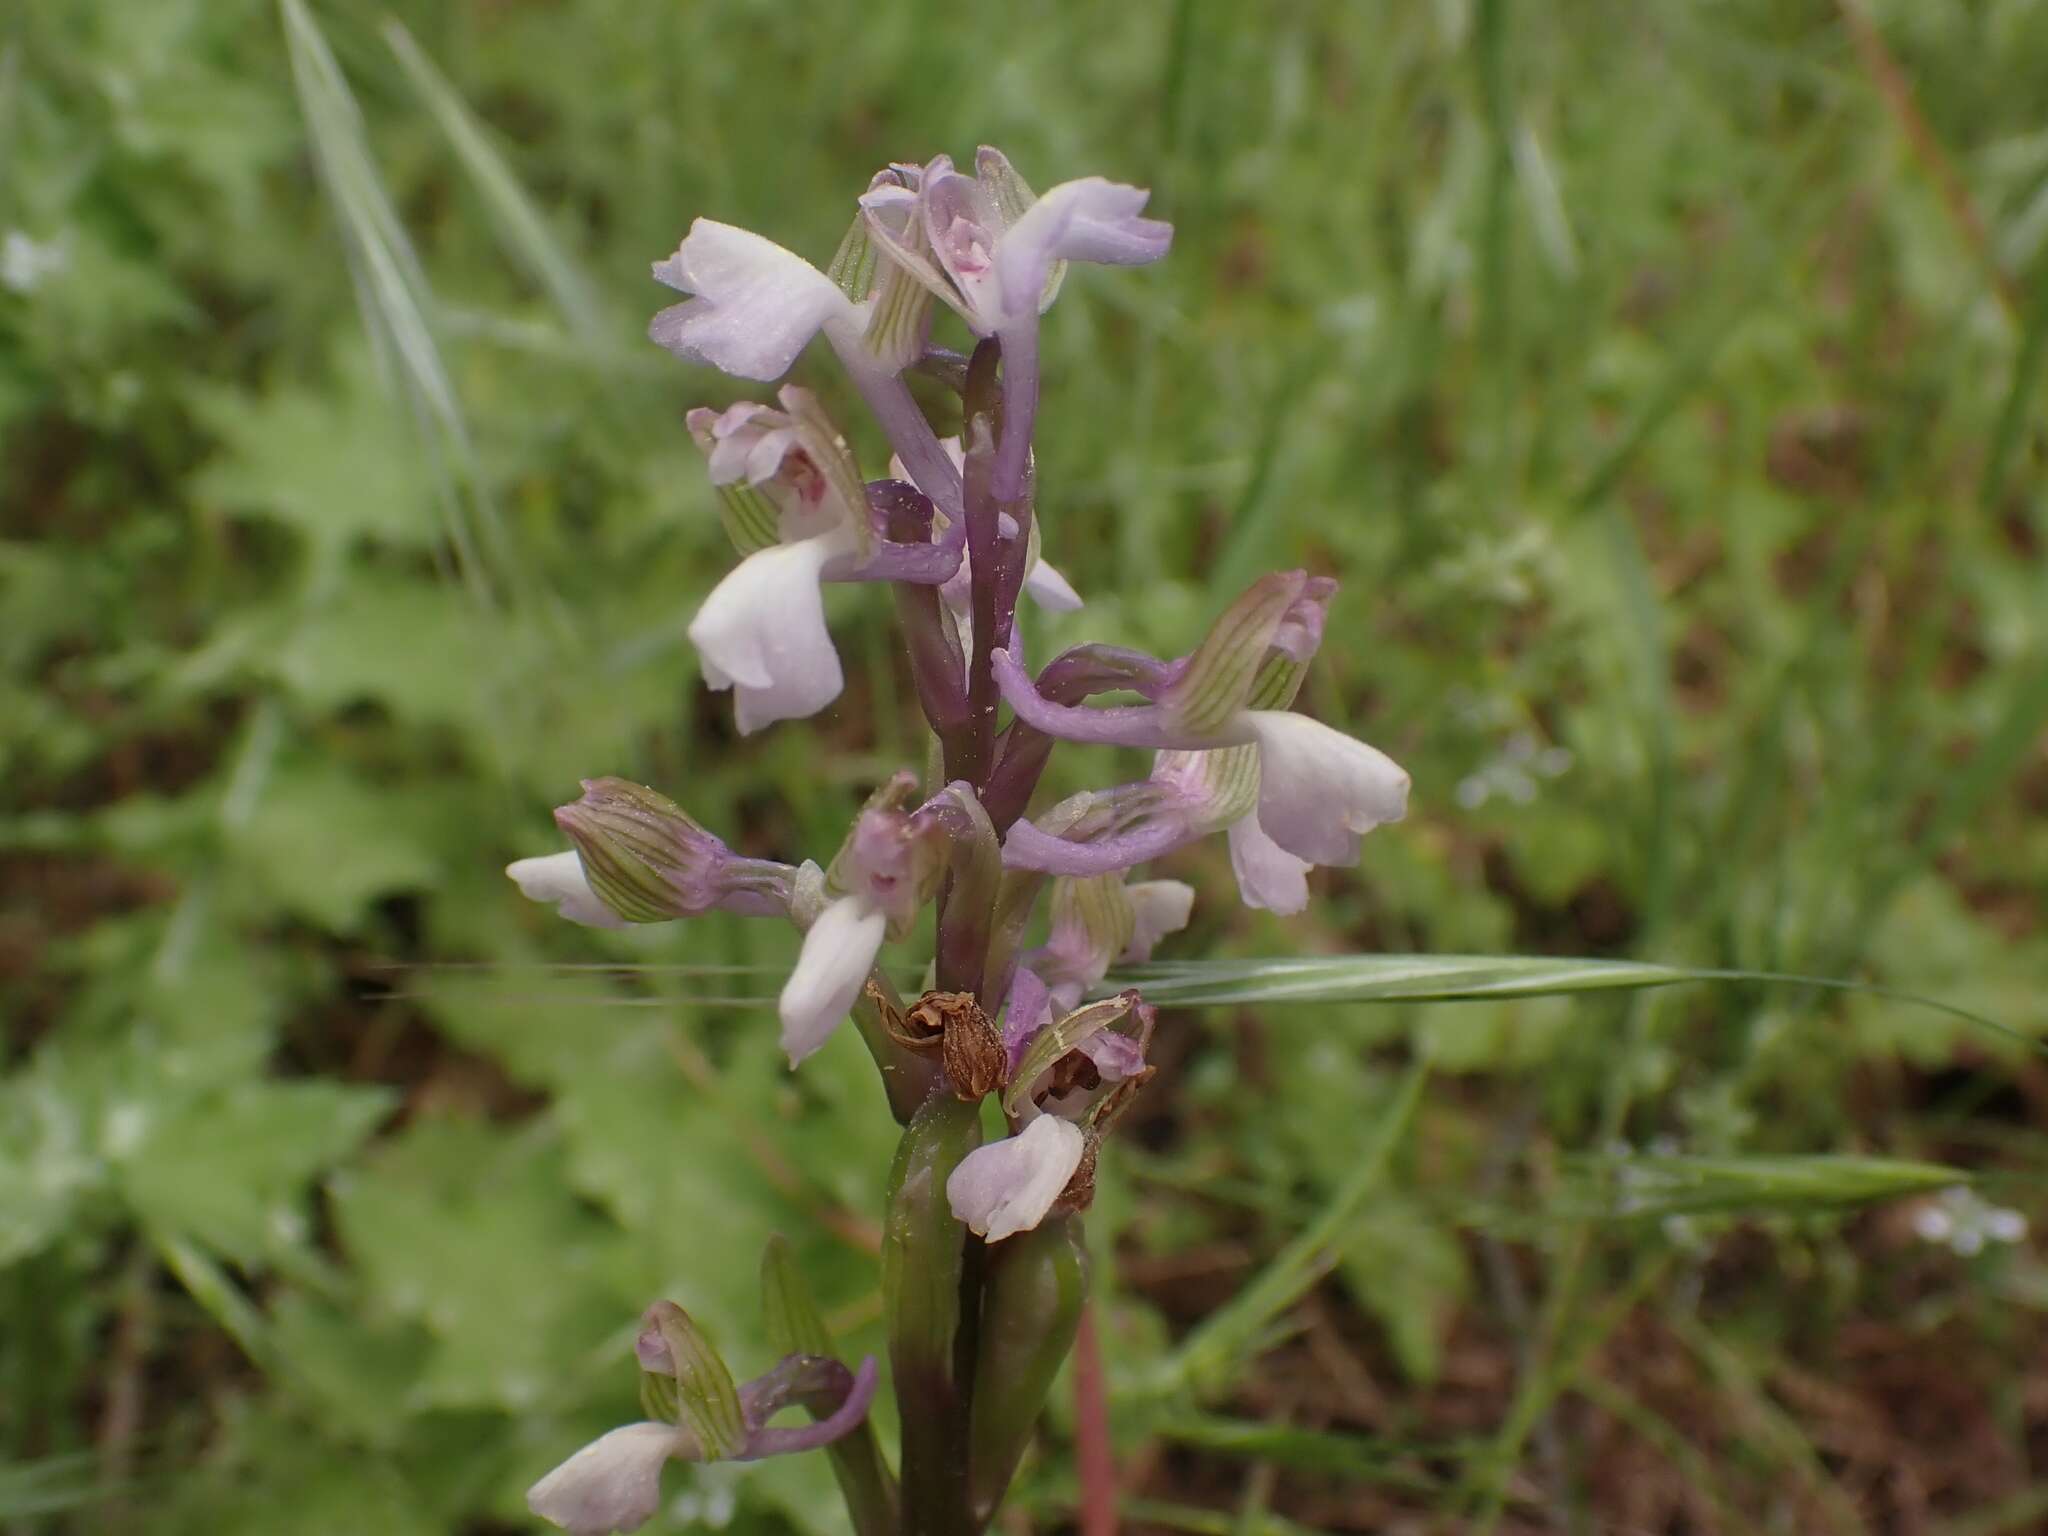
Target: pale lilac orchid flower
[(614, 1483), (1317, 790), (796, 507), (994, 252), (754, 306)]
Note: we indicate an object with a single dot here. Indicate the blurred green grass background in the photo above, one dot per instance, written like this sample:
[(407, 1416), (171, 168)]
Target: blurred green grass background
[(1661, 380)]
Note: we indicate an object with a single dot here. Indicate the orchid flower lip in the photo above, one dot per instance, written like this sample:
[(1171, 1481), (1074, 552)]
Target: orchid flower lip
[(1320, 790), (1009, 1186), (838, 953), (611, 1484), (558, 880), (762, 632)]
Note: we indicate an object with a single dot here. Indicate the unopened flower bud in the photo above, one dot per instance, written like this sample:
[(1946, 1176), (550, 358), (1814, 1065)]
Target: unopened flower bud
[(648, 861)]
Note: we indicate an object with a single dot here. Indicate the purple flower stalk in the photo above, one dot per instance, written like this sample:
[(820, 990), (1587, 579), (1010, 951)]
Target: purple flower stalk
[(1013, 1007)]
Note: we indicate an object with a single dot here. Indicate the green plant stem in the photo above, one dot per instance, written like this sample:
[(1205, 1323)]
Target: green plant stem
[(924, 1269)]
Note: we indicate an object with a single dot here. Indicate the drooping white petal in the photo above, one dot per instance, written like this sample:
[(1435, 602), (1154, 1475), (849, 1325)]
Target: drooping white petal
[(1007, 1186), (558, 880), (762, 633), (612, 1484), (839, 951), (1160, 907), (1086, 220), (756, 304), (1268, 876), (1053, 592), (1320, 790)]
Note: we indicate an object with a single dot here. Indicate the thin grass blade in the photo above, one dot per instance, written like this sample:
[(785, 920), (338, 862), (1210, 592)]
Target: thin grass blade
[(1211, 1355), (1649, 1187), (391, 291), (526, 234)]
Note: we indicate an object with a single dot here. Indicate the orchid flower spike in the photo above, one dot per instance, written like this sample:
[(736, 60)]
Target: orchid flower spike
[(640, 858), (885, 872), (1318, 790), (990, 248)]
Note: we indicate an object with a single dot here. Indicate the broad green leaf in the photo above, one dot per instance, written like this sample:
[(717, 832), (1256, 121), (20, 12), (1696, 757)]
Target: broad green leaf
[(364, 643), (229, 1169), (323, 845), (476, 1236), (353, 1369), (337, 463)]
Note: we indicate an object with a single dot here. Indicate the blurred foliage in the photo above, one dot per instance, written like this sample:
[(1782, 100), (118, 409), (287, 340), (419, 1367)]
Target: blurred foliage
[(1682, 464)]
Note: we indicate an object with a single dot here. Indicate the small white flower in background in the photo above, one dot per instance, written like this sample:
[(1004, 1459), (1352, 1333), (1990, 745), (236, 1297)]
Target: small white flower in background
[(26, 262), (1965, 1223), (1513, 774), (1008, 1186)]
